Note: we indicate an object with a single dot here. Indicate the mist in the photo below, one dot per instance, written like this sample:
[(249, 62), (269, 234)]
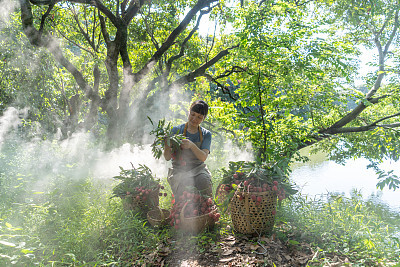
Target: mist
[(48, 184)]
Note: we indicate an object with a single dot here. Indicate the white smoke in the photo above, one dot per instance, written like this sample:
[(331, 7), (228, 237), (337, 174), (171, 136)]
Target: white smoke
[(10, 120), (6, 8)]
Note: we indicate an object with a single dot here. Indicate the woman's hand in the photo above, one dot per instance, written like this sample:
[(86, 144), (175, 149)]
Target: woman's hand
[(167, 150), (187, 144), (200, 154)]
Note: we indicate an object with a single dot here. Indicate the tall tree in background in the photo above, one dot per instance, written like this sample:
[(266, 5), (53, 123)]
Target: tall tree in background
[(144, 45)]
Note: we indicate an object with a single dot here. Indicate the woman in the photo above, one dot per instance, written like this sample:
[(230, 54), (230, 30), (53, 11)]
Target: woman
[(188, 168)]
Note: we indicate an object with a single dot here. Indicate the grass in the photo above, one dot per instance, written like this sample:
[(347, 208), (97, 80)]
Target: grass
[(364, 231), (72, 221)]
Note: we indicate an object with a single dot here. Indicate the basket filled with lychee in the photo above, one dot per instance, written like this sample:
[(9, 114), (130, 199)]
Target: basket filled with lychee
[(138, 189), (251, 192), (193, 213)]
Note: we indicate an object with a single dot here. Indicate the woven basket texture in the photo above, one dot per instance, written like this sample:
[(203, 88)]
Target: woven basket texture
[(195, 224), (158, 216), (221, 194), (249, 218), (131, 203)]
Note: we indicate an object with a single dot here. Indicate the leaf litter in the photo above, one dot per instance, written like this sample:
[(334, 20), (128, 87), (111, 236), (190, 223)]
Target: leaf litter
[(240, 250)]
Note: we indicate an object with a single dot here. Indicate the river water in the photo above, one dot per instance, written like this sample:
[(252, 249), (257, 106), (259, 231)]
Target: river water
[(320, 176)]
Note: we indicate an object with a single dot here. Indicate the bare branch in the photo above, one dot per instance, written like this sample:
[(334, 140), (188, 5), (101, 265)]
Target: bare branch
[(234, 69), (85, 34), (74, 43), (45, 16), (225, 89), (201, 70), (393, 33), (386, 118)]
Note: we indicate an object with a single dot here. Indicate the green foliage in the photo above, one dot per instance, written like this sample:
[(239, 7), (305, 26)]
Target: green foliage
[(133, 179), (363, 230), (250, 177), (28, 81), (259, 173), (386, 179), (287, 89), (164, 135)]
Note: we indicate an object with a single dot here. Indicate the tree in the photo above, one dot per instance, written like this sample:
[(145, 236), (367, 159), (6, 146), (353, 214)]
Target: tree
[(151, 44), (299, 77), (27, 79), (286, 85)]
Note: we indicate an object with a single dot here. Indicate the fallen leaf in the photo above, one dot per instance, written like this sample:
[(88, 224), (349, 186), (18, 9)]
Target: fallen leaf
[(226, 259), (231, 243), (227, 252), (230, 238)]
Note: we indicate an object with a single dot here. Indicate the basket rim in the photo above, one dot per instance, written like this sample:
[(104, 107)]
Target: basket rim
[(161, 212), (258, 193), (183, 218)]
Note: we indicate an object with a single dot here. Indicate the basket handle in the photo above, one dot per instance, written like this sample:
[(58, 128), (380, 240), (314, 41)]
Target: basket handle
[(161, 213), (181, 216)]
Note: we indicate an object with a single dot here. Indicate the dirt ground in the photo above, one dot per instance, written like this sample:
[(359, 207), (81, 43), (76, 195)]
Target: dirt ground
[(240, 250)]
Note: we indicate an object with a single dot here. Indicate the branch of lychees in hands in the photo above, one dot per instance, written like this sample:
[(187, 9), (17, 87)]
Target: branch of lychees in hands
[(164, 136)]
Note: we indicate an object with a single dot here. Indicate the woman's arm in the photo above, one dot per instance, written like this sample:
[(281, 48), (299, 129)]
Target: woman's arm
[(201, 154)]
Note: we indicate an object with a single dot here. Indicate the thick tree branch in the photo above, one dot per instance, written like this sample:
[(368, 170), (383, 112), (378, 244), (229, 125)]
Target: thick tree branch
[(45, 16), (132, 11), (44, 2), (201, 70), (363, 128), (182, 50), (103, 28), (103, 9), (171, 38), (381, 74)]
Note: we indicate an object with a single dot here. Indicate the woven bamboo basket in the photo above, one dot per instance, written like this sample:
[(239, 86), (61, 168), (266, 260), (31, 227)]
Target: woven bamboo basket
[(158, 216), (130, 202), (249, 218), (195, 224), (221, 194)]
